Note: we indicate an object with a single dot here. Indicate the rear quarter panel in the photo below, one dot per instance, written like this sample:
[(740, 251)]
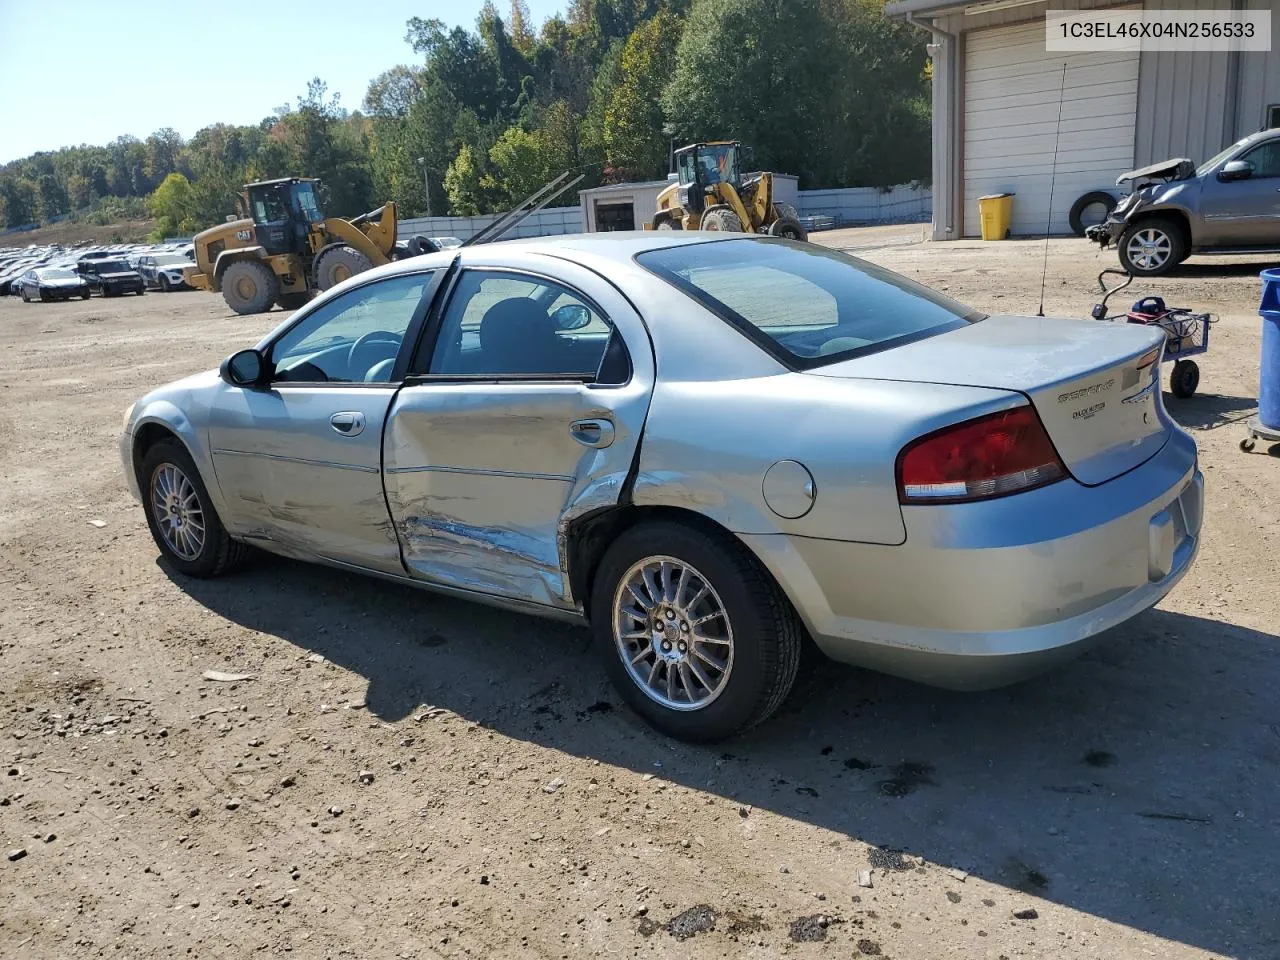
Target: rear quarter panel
[(708, 445)]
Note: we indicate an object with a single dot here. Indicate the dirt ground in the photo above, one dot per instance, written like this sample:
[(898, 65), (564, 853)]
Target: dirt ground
[(409, 776)]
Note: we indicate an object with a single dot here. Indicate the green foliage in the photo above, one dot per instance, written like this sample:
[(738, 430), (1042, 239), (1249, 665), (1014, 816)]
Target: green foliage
[(827, 89), (633, 133), (173, 206)]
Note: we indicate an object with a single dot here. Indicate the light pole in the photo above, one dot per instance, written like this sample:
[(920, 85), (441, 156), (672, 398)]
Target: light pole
[(426, 183)]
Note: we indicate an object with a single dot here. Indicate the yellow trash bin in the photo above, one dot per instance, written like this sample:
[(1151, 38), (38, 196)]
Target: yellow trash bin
[(995, 211)]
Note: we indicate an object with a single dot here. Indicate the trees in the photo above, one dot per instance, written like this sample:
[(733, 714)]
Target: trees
[(826, 89), (633, 124), (173, 206)]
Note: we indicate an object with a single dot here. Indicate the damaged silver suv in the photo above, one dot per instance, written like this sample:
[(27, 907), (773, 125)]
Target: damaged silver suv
[(1229, 204)]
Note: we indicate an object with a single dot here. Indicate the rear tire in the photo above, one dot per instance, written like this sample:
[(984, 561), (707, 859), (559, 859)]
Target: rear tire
[(721, 219), (756, 632), (181, 516), (1152, 247), (787, 224), (292, 301), (249, 286), (338, 264), (1184, 379)]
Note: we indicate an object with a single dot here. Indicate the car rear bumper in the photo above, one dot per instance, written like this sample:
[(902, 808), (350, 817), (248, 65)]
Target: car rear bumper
[(986, 594)]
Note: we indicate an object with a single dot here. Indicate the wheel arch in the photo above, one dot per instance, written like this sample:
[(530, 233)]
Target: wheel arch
[(228, 257), (589, 536), (1175, 214), (164, 421)]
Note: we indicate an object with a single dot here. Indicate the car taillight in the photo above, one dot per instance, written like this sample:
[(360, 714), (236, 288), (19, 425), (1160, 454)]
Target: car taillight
[(989, 456)]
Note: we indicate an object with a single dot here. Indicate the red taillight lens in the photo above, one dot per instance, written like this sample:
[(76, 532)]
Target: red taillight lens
[(987, 457)]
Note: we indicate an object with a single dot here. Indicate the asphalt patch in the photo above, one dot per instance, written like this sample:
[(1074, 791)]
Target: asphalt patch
[(885, 859), (826, 751), (1025, 878), (869, 948), (907, 776), (809, 929), (806, 791), (695, 920), (853, 763), (647, 927), (433, 640), (1099, 758), (953, 896)]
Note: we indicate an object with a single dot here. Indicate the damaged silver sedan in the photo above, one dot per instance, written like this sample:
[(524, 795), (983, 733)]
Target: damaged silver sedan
[(707, 447)]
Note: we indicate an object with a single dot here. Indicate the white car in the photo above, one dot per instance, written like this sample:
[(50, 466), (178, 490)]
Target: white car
[(163, 271)]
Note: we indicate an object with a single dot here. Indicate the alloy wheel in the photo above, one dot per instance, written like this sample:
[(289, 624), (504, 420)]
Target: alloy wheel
[(178, 513), (1150, 248), (673, 633)]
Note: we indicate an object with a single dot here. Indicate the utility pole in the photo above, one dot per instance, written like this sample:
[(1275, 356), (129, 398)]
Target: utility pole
[(426, 183)]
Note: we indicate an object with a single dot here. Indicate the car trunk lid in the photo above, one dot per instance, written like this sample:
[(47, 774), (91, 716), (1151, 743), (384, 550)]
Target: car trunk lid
[(1095, 386)]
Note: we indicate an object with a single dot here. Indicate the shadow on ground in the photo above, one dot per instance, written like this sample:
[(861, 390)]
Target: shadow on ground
[(1204, 411), (1137, 784)]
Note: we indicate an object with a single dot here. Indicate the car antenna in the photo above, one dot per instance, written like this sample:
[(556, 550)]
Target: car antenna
[(1053, 177)]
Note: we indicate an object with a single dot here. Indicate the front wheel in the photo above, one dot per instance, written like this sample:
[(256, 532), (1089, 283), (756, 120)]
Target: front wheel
[(181, 516), (164, 285), (337, 264), (721, 219), (696, 635), (1151, 248), (1184, 379)]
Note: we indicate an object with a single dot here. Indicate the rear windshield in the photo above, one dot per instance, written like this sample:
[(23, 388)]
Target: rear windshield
[(806, 304)]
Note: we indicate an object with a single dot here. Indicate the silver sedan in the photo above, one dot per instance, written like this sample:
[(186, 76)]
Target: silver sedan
[(705, 446)]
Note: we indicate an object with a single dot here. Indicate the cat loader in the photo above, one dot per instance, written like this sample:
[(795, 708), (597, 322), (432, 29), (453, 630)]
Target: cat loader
[(711, 194), (284, 248)]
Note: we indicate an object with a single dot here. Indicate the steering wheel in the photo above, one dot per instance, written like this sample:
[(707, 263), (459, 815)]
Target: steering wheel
[(363, 343)]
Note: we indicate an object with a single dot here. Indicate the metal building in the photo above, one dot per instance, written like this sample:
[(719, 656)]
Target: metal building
[(996, 106)]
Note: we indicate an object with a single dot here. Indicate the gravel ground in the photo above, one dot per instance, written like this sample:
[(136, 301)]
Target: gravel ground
[(407, 776)]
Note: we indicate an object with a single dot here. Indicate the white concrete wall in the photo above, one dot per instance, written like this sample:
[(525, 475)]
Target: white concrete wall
[(545, 223), (902, 204)]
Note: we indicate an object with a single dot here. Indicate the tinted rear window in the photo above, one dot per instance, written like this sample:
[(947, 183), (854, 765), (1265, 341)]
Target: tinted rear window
[(806, 304)]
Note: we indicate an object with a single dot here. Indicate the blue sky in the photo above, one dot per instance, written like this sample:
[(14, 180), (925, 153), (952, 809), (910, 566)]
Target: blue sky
[(85, 71)]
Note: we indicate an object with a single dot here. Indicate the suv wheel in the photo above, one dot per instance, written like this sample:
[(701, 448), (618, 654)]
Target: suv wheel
[(1151, 248)]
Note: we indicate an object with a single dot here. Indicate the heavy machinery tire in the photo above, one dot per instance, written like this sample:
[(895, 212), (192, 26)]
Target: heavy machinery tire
[(1185, 379), (785, 210), (1152, 247), (1094, 198), (670, 224), (249, 286), (720, 219), (292, 301), (337, 264), (788, 228)]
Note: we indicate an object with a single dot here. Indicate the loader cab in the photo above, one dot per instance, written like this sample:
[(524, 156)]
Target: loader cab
[(709, 163), (282, 213)]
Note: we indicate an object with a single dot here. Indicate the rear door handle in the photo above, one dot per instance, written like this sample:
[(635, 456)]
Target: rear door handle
[(349, 423), (592, 433)]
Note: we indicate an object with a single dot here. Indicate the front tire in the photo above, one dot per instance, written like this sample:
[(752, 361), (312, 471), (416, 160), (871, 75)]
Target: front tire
[(180, 515), (786, 223), (1153, 247), (695, 634), (721, 219), (164, 285), (249, 286), (338, 264)]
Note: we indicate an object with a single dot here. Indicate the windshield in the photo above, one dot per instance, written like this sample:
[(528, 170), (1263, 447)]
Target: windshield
[(111, 266), (56, 273), (805, 304), (164, 259), (307, 205), (1216, 159)]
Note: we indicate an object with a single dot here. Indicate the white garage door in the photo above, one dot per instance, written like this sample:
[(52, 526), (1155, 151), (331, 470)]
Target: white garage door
[(1011, 114)]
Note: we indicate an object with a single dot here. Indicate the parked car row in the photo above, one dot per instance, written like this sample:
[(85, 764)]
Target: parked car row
[(105, 273)]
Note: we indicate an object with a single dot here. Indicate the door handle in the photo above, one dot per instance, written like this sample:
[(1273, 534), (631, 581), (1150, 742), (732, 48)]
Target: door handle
[(348, 423), (592, 433)]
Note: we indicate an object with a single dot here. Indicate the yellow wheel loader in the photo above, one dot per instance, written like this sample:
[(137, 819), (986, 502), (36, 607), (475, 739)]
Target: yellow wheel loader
[(284, 247), (710, 194)]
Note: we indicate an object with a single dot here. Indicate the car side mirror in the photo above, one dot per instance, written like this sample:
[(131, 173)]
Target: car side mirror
[(1236, 170), (572, 316), (248, 368)]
